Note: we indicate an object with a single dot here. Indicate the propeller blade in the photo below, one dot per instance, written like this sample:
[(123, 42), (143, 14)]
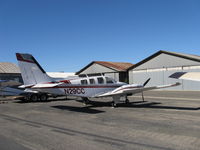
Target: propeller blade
[(146, 81)]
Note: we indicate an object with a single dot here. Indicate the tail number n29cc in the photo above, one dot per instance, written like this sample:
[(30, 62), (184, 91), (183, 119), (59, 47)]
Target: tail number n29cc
[(74, 91)]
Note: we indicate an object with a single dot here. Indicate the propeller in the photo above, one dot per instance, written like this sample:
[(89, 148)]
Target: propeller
[(145, 83)]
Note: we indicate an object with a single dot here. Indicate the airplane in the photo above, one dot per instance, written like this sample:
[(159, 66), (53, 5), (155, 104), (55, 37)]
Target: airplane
[(36, 80), (9, 87), (193, 76)]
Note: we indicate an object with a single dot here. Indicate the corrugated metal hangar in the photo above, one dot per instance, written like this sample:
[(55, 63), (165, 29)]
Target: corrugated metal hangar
[(116, 70), (10, 71), (161, 65)]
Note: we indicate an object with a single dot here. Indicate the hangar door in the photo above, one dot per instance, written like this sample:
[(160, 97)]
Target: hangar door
[(161, 76)]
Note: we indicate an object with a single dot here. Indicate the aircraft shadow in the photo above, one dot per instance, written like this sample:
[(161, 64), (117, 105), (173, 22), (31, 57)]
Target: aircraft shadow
[(155, 105), (96, 103), (140, 104), (86, 109), (47, 101)]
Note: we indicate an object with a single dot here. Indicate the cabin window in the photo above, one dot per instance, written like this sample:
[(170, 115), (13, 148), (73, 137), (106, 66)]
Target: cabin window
[(100, 80), (109, 80), (92, 81), (84, 82)]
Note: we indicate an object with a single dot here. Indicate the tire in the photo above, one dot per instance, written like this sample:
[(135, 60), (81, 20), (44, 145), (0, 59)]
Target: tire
[(113, 104), (85, 100), (34, 97), (43, 97), (127, 101)]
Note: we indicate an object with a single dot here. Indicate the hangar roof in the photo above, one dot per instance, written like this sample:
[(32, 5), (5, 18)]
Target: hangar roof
[(117, 66), (195, 58), (6, 67)]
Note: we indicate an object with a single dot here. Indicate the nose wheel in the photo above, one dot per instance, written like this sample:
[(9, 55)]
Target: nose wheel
[(113, 104), (85, 100)]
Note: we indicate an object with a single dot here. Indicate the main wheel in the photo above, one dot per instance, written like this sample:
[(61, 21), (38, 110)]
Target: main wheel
[(127, 101), (43, 97), (34, 97)]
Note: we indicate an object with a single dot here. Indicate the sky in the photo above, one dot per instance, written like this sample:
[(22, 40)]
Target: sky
[(66, 35)]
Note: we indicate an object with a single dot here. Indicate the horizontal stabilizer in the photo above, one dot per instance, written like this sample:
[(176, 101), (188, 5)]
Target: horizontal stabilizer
[(46, 85), (26, 86)]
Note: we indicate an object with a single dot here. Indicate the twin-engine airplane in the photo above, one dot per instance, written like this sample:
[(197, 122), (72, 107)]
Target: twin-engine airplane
[(36, 80)]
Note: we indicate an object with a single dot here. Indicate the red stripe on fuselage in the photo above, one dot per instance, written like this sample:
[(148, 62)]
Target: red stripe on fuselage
[(78, 86), (65, 81)]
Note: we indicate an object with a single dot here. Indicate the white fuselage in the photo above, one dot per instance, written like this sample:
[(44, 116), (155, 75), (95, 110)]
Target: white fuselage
[(83, 87)]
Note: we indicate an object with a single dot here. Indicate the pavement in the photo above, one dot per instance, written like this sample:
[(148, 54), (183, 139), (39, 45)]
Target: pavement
[(165, 121)]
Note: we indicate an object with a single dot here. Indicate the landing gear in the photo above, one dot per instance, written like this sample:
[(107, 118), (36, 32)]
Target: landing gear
[(43, 97), (85, 100), (113, 104), (127, 101), (116, 99), (33, 97), (142, 96)]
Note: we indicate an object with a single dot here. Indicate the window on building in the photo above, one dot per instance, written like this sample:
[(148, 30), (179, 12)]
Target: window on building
[(92, 81), (84, 82), (100, 80)]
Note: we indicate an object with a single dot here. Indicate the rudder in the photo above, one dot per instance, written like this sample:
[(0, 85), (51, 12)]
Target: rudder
[(31, 71)]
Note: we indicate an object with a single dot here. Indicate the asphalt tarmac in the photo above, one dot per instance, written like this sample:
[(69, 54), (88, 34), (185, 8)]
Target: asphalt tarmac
[(165, 121)]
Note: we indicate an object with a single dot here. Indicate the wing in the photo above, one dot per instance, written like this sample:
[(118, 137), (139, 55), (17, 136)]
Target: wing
[(41, 85), (45, 85), (128, 89), (194, 76)]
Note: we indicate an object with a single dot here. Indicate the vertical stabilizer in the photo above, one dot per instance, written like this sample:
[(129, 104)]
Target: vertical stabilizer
[(32, 72)]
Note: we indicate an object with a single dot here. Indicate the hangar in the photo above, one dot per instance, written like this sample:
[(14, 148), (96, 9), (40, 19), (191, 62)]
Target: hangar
[(161, 65), (10, 71), (116, 70)]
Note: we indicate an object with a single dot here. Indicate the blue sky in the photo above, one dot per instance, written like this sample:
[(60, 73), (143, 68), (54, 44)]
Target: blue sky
[(66, 35)]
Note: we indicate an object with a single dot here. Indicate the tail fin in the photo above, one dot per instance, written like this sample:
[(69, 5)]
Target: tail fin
[(32, 72)]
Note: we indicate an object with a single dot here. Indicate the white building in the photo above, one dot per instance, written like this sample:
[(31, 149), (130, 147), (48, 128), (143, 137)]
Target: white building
[(161, 65)]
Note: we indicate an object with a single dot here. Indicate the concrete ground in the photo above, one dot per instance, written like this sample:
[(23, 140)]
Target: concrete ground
[(166, 120)]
